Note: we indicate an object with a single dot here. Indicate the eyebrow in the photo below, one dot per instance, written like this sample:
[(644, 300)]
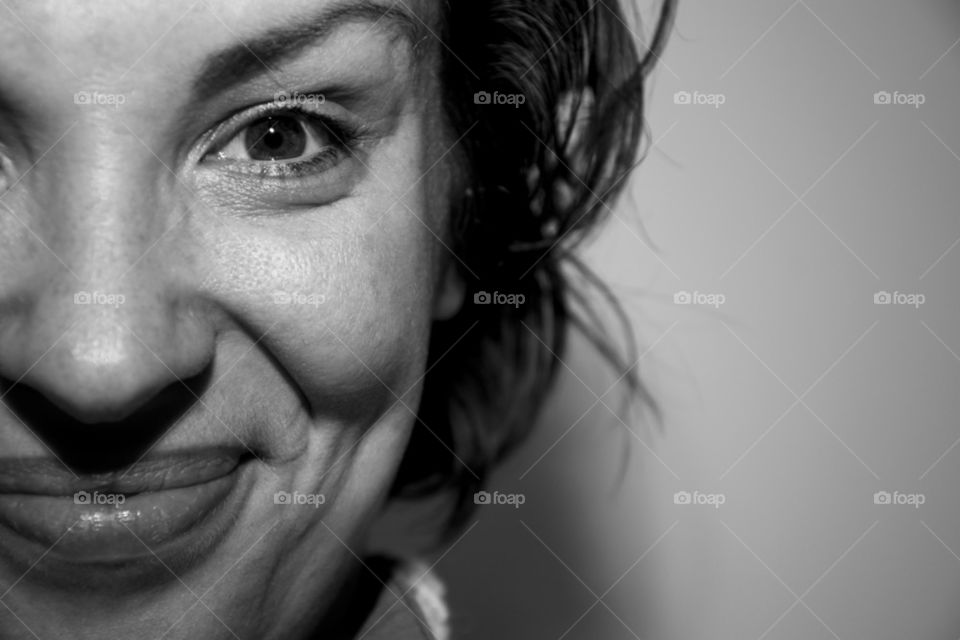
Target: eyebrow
[(248, 59)]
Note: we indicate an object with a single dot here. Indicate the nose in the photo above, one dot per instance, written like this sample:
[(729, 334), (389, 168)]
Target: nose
[(98, 312), (98, 362)]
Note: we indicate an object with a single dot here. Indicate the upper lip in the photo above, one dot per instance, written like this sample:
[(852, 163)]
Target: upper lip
[(43, 476)]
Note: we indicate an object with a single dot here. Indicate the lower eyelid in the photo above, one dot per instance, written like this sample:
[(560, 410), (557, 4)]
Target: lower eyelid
[(322, 161)]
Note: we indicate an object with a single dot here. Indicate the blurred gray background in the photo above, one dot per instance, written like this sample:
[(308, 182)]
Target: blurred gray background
[(786, 187)]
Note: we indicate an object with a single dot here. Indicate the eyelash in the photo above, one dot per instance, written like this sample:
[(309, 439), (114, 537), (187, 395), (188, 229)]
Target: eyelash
[(346, 137)]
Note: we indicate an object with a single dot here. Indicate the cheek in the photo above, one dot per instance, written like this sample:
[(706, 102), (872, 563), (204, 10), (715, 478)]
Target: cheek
[(344, 308), (378, 317)]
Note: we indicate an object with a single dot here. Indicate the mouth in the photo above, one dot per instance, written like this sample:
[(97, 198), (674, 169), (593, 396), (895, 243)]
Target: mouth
[(159, 514)]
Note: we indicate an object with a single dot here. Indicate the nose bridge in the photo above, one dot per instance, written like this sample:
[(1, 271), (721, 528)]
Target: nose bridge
[(105, 219), (107, 206)]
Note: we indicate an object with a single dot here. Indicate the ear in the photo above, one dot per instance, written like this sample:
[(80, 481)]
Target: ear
[(450, 292)]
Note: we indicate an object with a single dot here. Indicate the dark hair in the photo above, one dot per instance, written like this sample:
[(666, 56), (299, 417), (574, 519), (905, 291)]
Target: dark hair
[(535, 178)]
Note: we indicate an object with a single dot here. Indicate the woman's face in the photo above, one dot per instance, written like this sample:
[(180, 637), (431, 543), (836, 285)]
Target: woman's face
[(220, 239)]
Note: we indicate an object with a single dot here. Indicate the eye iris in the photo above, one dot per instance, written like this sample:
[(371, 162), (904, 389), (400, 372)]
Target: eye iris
[(276, 138)]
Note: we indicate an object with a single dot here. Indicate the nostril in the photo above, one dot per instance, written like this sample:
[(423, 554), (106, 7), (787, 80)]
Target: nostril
[(89, 446)]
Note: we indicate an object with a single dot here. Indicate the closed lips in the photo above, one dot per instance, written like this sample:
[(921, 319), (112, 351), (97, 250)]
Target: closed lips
[(165, 505)]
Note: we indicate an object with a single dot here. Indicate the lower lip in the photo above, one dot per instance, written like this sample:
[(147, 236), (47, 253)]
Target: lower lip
[(164, 525)]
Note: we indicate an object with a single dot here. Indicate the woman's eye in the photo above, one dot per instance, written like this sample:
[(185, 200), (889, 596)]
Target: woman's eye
[(279, 138), (271, 144), (282, 138)]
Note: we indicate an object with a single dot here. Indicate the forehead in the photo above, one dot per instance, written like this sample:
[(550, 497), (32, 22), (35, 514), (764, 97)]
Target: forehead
[(98, 40)]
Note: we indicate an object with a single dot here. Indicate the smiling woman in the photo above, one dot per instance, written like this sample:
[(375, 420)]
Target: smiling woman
[(270, 268)]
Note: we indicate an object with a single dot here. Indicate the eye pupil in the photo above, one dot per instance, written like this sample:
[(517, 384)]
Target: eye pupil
[(276, 138)]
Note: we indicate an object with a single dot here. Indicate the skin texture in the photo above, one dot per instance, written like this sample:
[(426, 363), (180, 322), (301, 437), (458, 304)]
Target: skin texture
[(123, 199)]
